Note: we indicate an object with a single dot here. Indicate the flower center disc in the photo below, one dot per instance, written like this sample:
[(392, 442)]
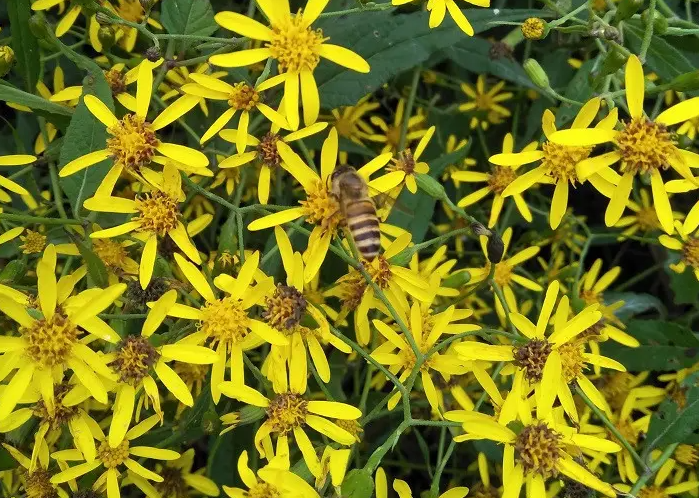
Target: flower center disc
[(134, 359), (322, 208), (295, 46), (644, 146), (500, 178), (244, 98), (287, 411), (532, 357), (158, 212), (285, 308), (225, 320), (133, 142), (110, 457), (560, 160), (38, 484), (690, 252), (538, 448), (263, 490), (115, 80), (267, 150), (50, 341)]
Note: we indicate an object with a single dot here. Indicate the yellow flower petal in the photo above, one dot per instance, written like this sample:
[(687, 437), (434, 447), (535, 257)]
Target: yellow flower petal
[(243, 25), (83, 162), (583, 137), (313, 9), (517, 158), (334, 409), (123, 411), (184, 154), (344, 57), (310, 97), (100, 110), (661, 202), (196, 278), (635, 91), (144, 87), (188, 353), (275, 219), (175, 111), (174, 383), (156, 453), (682, 111), (619, 199), (150, 250), (329, 429)]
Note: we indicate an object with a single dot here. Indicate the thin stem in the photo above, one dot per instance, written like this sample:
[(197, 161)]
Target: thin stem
[(26, 219), (409, 107), (57, 192), (648, 34), (638, 278), (654, 467), (368, 8)]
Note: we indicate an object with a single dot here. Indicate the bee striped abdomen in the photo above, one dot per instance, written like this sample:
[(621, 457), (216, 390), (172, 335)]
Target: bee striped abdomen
[(363, 224)]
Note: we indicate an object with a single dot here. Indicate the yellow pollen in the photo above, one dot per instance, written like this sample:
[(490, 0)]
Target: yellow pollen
[(653, 492), (500, 178), (225, 321), (572, 360), (244, 98), (351, 426), (484, 101), (190, 372), (295, 45), (592, 297), (287, 411), (538, 449), (38, 484), (33, 242), (353, 287), (263, 490), (115, 80), (50, 341), (534, 28), (134, 359), (133, 142), (157, 212), (110, 457), (285, 308), (404, 162), (560, 160), (532, 357), (690, 252), (321, 207), (112, 253), (267, 150), (647, 219), (645, 146), (503, 273), (61, 413), (393, 136), (381, 273)]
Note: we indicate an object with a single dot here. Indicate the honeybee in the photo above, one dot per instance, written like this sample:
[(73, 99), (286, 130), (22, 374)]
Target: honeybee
[(357, 209)]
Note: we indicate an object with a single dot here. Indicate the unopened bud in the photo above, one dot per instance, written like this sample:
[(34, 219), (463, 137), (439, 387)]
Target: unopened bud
[(495, 248), (535, 28), (480, 229), (430, 186), (613, 61), (626, 9), (457, 279), (152, 54), (103, 19), (39, 26), (537, 74), (7, 58), (106, 37)]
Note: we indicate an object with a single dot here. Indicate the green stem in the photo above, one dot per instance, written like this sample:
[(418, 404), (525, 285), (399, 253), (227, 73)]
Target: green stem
[(409, 108), (639, 277), (26, 219), (648, 34), (366, 8), (569, 15), (139, 27), (654, 467), (57, 192)]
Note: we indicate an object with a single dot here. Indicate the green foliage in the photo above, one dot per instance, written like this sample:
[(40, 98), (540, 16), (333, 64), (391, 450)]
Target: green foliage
[(672, 423), (24, 43), (55, 113), (188, 17)]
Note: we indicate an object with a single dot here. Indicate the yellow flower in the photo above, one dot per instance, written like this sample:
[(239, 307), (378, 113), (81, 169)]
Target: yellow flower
[(642, 147), (688, 245), (351, 124), (295, 46), (111, 458), (13, 160), (497, 182), (49, 344), (391, 133), (403, 489), (438, 9), (542, 448), (452, 146), (239, 97), (643, 218), (266, 153), (134, 142), (320, 207), (178, 478), (155, 215), (287, 414), (289, 311), (485, 104), (275, 480), (36, 482), (559, 163), (407, 165), (225, 321), (179, 76)]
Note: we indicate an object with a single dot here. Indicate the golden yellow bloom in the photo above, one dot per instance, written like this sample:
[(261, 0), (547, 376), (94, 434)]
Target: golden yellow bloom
[(390, 133), (485, 104), (439, 8), (687, 245)]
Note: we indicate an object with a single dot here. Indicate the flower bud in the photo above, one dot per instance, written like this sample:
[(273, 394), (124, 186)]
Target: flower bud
[(537, 74), (457, 279), (103, 19), (152, 54), (626, 9), (495, 248), (7, 58), (430, 186), (39, 26), (534, 28), (106, 37), (613, 61), (480, 229)]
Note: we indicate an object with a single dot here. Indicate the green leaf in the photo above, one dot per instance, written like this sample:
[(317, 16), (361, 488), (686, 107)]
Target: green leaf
[(672, 424), (665, 346), (57, 114), (393, 44), (188, 17), (635, 304), (24, 43), (580, 89), (473, 54), (95, 266), (414, 211), (662, 57), (358, 484), (685, 286), (84, 135)]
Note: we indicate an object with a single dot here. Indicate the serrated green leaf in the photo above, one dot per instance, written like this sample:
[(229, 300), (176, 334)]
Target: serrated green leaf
[(662, 57), (24, 43), (84, 135), (57, 114), (672, 424), (416, 210), (393, 44), (188, 17), (473, 54)]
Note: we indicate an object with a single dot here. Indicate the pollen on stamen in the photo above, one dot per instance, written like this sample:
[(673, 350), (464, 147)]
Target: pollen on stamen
[(380, 271), (38, 484), (111, 252), (321, 208), (532, 357), (32, 242), (50, 341), (173, 483), (61, 414), (267, 150), (264, 490), (287, 411), (110, 457), (572, 360), (690, 252), (133, 142), (134, 359), (500, 178), (560, 160), (404, 162), (645, 146), (116, 81), (538, 449), (244, 98), (225, 321), (285, 308), (295, 46), (157, 212)]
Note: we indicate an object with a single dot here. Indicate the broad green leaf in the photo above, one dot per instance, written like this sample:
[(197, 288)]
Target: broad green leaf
[(662, 57), (473, 54), (358, 483), (580, 89), (685, 286), (665, 346), (188, 17), (84, 135), (635, 304), (57, 114), (24, 43), (393, 44), (414, 211), (672, 424)]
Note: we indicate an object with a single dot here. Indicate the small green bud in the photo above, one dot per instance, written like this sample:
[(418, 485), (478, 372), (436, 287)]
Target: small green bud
[(14, 271), (39, 27), (537, 74), (626, 9), (103, 19), (613, 61), (430, 186), (457, 279), (7, 59), (106, 37), (535, 28)]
